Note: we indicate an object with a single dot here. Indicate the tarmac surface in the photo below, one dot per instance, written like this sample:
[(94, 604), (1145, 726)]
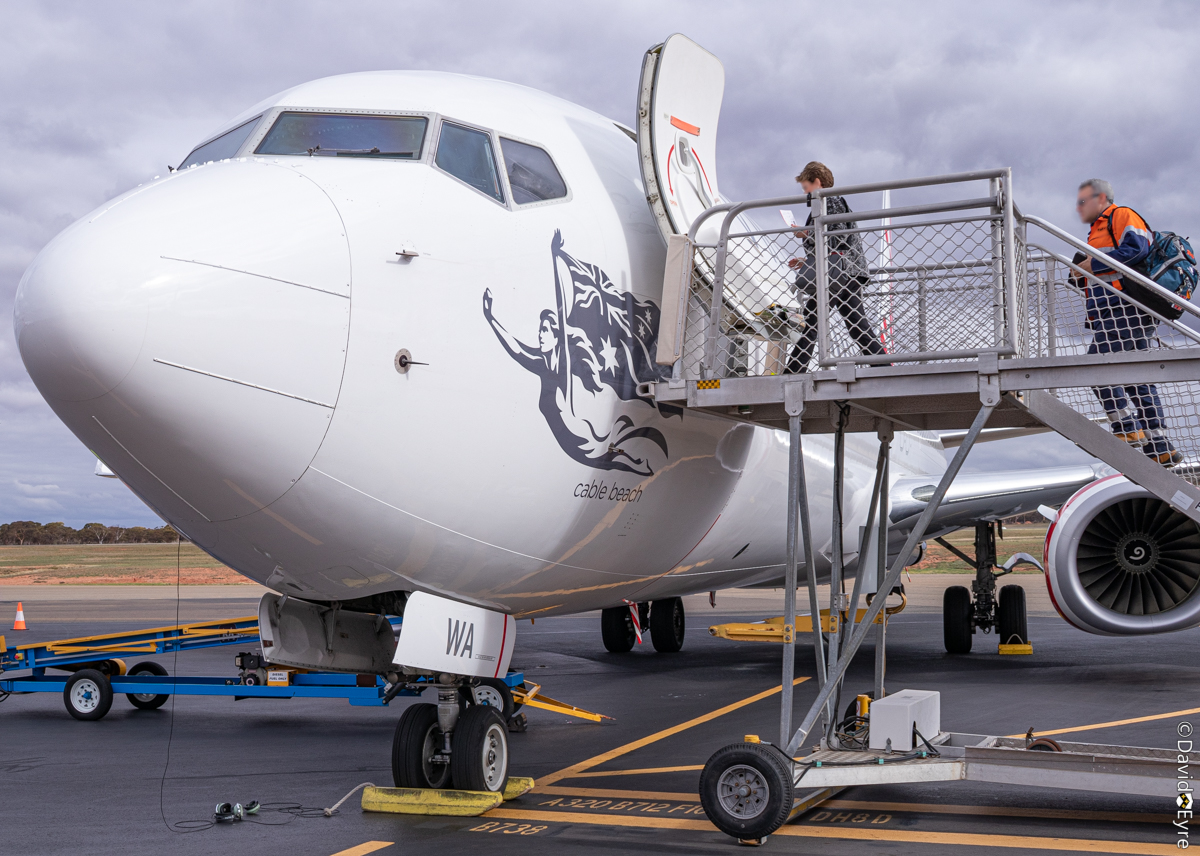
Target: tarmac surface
[(117, 785)]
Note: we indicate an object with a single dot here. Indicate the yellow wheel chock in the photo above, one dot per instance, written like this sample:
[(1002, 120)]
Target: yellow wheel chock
[(774, 630), (447, 803)]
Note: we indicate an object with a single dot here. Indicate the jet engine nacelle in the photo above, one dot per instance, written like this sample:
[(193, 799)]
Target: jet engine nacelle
[(1121, 562)]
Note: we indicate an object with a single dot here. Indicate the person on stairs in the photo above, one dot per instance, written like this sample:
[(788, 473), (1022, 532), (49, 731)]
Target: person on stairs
[(847, 275), (1118, 324)]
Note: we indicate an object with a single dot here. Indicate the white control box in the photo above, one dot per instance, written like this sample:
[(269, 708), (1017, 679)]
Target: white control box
[(894, 717)]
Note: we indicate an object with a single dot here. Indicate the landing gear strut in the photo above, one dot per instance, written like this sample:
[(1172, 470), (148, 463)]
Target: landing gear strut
[(961, 615)]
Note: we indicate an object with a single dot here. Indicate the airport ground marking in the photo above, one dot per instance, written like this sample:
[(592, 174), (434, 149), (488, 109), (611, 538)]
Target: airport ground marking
[(611, 793), (898, 836), (596, 760), (900, 807), (365, 848), (999, 811), (597, 774), (1114, 723)]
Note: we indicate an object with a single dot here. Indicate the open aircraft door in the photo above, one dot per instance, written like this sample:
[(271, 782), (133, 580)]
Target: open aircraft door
[(679, 104)]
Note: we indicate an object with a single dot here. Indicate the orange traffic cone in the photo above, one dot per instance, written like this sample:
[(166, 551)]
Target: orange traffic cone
[(19, 624)]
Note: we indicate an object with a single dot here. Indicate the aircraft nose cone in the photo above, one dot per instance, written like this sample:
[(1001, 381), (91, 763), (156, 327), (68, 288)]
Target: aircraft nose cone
[(193, 334), (79, 322)]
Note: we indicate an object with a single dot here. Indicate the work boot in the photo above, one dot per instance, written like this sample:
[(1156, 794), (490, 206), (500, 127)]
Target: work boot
[(1159, 449), (1129, 431)]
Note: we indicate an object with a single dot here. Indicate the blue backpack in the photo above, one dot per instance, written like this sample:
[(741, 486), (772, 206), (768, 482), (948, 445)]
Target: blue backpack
[(1171, 263)]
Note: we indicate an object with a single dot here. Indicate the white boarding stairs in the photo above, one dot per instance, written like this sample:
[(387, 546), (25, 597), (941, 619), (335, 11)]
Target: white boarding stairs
[(971, 301)]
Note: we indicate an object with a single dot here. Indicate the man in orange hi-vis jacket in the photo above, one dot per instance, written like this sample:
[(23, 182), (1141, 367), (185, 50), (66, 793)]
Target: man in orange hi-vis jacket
[(1117, 324)]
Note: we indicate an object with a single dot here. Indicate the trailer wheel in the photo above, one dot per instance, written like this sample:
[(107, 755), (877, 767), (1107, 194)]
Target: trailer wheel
[(746, 790), (480, 758), (417, 740), (148, 701), (88, 695)]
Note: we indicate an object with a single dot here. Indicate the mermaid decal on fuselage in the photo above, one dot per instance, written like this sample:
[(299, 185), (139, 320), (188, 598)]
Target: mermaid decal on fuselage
[(593, 349)]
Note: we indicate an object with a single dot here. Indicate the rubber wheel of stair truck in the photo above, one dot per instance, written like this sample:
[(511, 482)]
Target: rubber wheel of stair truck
[(616, 629), (88, 695), (479, 761), (494, 693), (667, 624), (417, 740), (1012, 616), (956, 620), (148, 701), (746, 790)]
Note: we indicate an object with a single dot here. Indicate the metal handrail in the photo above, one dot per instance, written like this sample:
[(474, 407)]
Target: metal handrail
[(1092, 252), (1008, 258)]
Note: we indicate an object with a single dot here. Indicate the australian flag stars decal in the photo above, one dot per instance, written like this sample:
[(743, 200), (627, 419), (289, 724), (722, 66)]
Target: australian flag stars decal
[(593, 349)]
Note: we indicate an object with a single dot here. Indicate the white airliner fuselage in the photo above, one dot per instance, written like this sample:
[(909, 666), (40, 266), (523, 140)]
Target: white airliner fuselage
[(225, 338)]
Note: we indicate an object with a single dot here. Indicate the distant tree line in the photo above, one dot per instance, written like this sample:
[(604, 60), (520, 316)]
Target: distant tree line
[(25, 532)]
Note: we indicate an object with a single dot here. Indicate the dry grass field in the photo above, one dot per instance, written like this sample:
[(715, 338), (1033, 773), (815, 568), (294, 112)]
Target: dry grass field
[(112, 564), (155, 564), (1023, 538)]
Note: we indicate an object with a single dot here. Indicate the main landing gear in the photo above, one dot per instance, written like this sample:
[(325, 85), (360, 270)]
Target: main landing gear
[(961, 615), (460, 742), (664, 618)]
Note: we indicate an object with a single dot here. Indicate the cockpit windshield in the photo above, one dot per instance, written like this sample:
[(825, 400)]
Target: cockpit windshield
[(345, 135), (224, 146)]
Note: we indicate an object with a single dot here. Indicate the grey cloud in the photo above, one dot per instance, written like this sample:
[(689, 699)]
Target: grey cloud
[(97, 97)]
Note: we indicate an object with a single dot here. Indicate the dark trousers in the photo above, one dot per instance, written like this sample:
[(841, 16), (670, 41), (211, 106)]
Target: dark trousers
[(1121, 326), (845, 295)]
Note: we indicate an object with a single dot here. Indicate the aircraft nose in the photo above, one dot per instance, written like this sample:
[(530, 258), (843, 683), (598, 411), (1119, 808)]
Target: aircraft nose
[(193, 333), (79, 322)]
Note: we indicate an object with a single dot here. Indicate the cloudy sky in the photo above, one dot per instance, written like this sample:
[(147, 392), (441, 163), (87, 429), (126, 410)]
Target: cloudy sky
[(96, 97)]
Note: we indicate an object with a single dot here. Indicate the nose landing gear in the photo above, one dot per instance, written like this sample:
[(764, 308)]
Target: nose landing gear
[(460, 742)]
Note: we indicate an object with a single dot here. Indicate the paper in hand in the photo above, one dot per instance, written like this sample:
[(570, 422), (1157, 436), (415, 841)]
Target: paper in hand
[(789, 219)]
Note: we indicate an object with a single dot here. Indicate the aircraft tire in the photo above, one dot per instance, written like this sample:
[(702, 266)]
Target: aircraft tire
[(416, 741), (88, 695), (1012, 617), (956, 620), (616, 629), (148, 701), (496, 694), (746, 790), (479, 761), (667, 625)]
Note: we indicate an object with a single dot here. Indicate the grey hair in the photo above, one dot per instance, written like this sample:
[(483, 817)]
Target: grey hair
[(1100, 186)]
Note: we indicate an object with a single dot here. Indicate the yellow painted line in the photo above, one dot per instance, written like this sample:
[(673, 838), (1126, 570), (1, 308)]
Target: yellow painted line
[(618, 794), (595, 761), (365, 848), (999, 811), (1114, 723), (956, 839), (871, 805), (599, 774)]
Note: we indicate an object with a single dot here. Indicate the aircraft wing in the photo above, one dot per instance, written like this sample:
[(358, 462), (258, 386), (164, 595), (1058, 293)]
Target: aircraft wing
[(988, 496)]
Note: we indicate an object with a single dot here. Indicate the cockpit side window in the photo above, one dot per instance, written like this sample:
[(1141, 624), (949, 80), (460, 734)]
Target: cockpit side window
[(467, 155), (224, 146), (345, 135), (531, 173)]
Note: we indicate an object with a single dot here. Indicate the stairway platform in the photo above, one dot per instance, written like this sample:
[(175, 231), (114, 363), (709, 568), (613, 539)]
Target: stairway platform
[(931, 397)]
